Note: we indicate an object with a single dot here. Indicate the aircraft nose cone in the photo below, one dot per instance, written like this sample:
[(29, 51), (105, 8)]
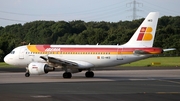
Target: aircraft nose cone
[(7, 59)]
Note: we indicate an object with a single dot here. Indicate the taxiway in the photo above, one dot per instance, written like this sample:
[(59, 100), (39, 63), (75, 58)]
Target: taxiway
[(117, 85)]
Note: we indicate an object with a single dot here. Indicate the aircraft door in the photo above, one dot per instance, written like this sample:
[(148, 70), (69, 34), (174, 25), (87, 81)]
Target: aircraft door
[(21, 53), (119, 54)]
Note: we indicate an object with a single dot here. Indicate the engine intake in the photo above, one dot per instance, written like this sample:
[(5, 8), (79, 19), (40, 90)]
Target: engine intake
[(39, 68)]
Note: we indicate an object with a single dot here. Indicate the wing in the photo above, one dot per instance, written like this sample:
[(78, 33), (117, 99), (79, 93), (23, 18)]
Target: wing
[(67, 63), (58, 61)]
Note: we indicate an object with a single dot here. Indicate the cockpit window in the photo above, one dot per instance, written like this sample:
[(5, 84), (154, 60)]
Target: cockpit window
[(12, 52)]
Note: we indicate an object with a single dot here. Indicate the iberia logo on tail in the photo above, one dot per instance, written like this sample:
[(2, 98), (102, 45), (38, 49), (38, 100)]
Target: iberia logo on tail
[(145, 34)]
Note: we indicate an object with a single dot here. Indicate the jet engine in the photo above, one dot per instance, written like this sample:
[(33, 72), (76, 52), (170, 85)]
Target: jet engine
[(39, 68)]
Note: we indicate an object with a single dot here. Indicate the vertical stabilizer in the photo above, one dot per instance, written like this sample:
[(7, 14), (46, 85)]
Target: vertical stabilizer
[(144, 35)]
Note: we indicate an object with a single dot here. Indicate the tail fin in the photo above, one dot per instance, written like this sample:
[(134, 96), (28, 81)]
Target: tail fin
[(144, 35)]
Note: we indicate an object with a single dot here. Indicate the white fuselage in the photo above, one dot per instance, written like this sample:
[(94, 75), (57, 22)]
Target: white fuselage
[(22, 56)]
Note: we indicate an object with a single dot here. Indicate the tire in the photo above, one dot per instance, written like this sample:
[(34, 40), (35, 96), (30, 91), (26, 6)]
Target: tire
[(89, 74), (27, 74), (67, 75)]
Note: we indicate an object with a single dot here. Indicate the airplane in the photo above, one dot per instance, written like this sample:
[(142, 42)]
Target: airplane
[(41, 59)]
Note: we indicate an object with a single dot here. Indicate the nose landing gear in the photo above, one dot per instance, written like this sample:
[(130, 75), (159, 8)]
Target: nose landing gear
[(27, 74)]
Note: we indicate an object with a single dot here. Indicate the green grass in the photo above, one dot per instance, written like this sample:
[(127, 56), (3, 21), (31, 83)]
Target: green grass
[(164, 61), (4, 65)]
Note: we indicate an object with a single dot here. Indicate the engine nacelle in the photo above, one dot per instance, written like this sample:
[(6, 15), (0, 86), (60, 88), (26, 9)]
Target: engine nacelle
[(39, 68)]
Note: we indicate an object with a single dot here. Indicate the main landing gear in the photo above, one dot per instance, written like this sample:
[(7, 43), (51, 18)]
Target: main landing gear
[(67, 75), (88, 74)]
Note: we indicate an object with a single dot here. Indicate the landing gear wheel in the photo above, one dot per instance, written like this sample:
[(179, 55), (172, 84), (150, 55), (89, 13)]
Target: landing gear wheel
[(27, 74), (67, 75), (89, 74)]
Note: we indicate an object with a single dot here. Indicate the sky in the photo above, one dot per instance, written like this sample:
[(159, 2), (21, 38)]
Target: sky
[(23, 11)]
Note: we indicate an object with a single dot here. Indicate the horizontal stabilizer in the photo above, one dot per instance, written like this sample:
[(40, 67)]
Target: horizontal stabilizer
[(169, 49), (139, 52)]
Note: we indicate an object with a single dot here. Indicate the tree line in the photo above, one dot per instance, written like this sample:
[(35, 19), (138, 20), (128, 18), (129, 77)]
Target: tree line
[(80, 32)]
